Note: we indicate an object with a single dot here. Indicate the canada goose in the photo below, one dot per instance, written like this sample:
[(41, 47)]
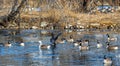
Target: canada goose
[(71, 39), (77, 43), (8, 44), (99, 45), (85, 43), (83, 48), (107, 61), (41, 46), (111, 38), (113, 47), (52, 40), (61, 41)]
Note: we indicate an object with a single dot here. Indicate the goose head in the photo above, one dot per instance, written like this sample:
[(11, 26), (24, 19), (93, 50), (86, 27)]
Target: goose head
[(40, 42), (107, 35), (108, 44), (80, 45), (71, 39)]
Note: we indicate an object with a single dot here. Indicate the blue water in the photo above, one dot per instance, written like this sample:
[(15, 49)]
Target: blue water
[(63, 55)]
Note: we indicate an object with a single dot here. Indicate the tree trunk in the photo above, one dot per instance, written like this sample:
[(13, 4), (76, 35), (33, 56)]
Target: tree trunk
[(14, 12)]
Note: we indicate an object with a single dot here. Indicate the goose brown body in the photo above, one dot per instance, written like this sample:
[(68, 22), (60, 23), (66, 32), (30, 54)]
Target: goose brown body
[(112, 47)]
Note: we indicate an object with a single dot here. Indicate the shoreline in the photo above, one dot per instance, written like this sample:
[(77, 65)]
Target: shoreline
[(82, 21)]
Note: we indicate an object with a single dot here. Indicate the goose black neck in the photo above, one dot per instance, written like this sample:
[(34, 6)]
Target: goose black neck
[(107, 35), (98, 41)]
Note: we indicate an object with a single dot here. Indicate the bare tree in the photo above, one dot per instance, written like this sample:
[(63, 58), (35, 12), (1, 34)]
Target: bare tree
[(16, 9)]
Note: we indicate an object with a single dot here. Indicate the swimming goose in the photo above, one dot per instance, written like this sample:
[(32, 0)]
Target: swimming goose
[(83, 48), (41, 46), (85, 43), (61, 41), (71, 39), (52, 40), (113, 47), (8, 44), (111, 38), (107, 61), (99, 45)]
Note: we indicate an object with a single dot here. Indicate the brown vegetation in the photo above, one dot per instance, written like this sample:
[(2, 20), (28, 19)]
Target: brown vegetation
[(58, 14)]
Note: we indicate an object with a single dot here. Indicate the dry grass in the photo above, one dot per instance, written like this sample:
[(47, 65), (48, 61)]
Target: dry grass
[(72, 18), (98, 17), (57, 14)]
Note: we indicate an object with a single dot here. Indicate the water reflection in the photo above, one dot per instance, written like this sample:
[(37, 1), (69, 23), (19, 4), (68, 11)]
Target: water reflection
[(63, 55)]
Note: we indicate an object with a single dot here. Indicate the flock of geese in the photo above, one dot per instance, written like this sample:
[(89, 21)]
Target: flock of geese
[(83, 45)]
